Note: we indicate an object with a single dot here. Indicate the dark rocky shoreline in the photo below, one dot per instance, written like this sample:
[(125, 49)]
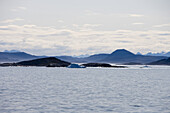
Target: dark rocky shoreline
[(102, 65), (54, 62), (48, 62)]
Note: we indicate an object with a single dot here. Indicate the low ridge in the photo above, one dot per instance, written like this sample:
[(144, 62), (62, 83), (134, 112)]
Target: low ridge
[(49, 62), (161, 62)]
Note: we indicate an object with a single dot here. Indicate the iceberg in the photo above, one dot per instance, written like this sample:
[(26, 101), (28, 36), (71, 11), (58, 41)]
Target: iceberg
[(75, 66), (145, 66)]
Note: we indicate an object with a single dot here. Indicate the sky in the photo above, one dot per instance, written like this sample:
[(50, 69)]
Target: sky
[(79, 27)]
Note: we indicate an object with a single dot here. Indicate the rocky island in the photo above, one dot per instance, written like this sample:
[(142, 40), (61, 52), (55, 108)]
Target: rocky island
[(102, 65), (48, 62)]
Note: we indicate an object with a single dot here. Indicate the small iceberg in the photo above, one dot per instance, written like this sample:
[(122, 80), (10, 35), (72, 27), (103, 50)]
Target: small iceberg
[(145, 66), (75, 66)]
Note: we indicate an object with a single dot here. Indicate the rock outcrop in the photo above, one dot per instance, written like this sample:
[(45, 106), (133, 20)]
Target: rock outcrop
[(101, 65), (48, 62)]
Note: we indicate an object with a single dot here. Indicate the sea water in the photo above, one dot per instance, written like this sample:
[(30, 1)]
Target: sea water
[(87, 90)]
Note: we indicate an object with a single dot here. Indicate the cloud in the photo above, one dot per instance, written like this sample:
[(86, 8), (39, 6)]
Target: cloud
[(162, 25), (137, 23), (22, 8), (1, 28), (91, 13), (86, 27), (91, 25), (135, 15), (5, 43), (69, 41), (60, 21), (61, 50), (63, 32), (123, 41), (18, 9), (164, 34), (12, 20)]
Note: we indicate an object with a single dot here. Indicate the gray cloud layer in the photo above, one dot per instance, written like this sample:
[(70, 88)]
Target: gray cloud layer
[(48, 40), (74, 27)]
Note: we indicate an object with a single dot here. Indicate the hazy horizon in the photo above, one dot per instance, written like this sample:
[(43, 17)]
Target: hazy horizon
[(86, 55), (78, 27)]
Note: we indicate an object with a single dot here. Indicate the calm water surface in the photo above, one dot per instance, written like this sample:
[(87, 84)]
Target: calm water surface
[(90, 90)]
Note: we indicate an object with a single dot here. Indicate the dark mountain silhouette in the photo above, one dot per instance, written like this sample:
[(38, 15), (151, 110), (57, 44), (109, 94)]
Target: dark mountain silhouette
[(122, 52), (15, 56), (92, 58), (95, 58), (123, 56), (161, 62), (119, 56), (49, 62), (69, 59)]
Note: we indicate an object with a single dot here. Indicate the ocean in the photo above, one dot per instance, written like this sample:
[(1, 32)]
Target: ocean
[(87, 90)]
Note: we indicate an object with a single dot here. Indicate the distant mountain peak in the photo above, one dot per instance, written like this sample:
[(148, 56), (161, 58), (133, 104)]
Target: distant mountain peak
[(138, 53), (122, 52), (11, 51), (158, 54)]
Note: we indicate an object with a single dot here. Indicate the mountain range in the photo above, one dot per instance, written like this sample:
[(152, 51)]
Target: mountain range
[(161, 62), (119, 56), (15, 56), (155, 54), (159, 54)]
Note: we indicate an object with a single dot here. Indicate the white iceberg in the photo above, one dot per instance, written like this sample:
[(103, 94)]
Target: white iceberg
[(75, 66)]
